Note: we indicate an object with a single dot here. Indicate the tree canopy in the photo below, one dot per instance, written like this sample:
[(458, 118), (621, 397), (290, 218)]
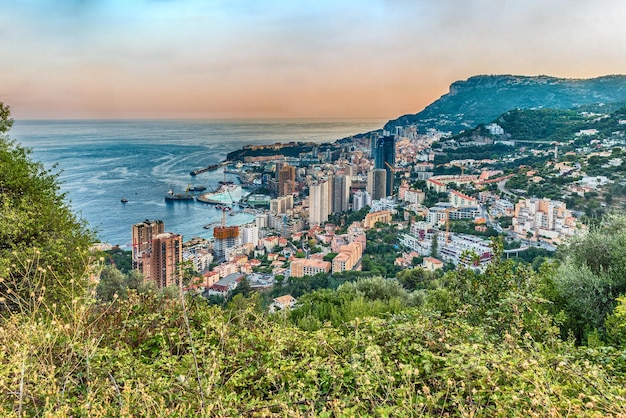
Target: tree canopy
[(43, 245)]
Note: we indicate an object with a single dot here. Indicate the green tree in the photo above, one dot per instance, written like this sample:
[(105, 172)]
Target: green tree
[(243, 289), (434, 248), (113, 282), (330, 256), (592, 276), (44, 248), (416, 278), (616, 324)]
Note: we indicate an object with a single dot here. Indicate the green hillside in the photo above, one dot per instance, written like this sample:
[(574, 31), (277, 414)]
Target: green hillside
[(550, 125), (481, 99)]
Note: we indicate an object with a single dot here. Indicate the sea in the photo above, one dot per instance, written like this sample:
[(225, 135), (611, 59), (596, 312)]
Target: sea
[(100, 162)]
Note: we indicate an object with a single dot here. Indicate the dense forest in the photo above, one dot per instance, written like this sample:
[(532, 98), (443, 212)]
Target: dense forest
[(509, 341)]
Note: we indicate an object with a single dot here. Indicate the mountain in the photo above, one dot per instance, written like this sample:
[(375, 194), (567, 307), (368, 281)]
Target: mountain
[(483, 98)]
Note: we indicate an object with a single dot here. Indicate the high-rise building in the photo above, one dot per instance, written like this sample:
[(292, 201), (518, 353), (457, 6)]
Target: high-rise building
[(341, 193), (318, 203), (377, 183), (224, 237), (385, 158), (286, 179), (373, 139), (142, 239), (361, 199), (281, 204), (249, 233), (162, 265), (261, 220)]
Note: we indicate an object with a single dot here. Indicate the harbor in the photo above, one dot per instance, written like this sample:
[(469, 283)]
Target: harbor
[(226, 194)]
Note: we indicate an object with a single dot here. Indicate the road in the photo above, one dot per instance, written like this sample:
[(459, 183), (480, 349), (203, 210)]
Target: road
[(503, 189)]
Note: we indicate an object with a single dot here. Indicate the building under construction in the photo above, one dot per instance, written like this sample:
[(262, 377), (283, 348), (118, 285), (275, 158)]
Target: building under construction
[(225, 237)]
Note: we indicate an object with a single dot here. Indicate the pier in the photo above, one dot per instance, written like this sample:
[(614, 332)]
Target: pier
[(211, 167)]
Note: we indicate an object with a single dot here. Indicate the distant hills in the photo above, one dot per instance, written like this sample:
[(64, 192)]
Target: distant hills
[(484, 98), (549, 125)]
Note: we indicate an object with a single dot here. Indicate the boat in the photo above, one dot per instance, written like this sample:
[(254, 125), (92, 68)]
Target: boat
[(197, 188), (184, 197), (124, 200), (211, 225)]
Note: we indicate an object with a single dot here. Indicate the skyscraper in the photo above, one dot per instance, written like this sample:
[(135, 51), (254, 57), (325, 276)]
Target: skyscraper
[(142, 239), (318, 203), (377, 183), (163, 264), (341, 193), (286, 179), (385, 159)]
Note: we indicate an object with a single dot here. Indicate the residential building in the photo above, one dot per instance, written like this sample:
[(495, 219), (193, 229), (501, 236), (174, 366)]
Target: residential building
[(373, 218), (282, 204), (386, 203), (142, 234), (200, 259), (309, 267), (163, 263), (360, 200), (438, 215), (286, 180), (348, 256), (437, 185), (318, 203), (431, 264), (458, 199), (282, 302), (543, 219), (225, 285), (414, 196), (341, 193), (249, 233), (466, 250)]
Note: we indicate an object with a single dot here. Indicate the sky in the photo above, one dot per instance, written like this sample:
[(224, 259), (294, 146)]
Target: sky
[(286, 59)]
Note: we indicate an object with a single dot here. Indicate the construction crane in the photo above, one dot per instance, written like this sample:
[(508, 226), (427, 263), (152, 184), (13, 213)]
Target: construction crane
[(447, 211), (461, 166)]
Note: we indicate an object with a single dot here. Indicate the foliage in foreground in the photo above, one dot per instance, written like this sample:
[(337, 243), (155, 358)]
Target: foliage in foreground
[(36, 224), (150, 355)]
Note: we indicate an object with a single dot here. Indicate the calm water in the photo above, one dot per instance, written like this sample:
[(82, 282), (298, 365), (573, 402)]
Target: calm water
[(101, 162)]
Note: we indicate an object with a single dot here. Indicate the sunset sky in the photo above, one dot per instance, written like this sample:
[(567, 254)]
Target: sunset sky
[(286, 59)]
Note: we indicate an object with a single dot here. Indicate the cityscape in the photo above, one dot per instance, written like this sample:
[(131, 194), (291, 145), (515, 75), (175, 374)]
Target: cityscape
[(312, 209), (386, 178)]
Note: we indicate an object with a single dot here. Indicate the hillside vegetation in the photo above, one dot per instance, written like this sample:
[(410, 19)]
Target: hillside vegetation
[(506, 342)]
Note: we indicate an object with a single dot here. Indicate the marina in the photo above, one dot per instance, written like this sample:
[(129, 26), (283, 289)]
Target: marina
[(226, 194)]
